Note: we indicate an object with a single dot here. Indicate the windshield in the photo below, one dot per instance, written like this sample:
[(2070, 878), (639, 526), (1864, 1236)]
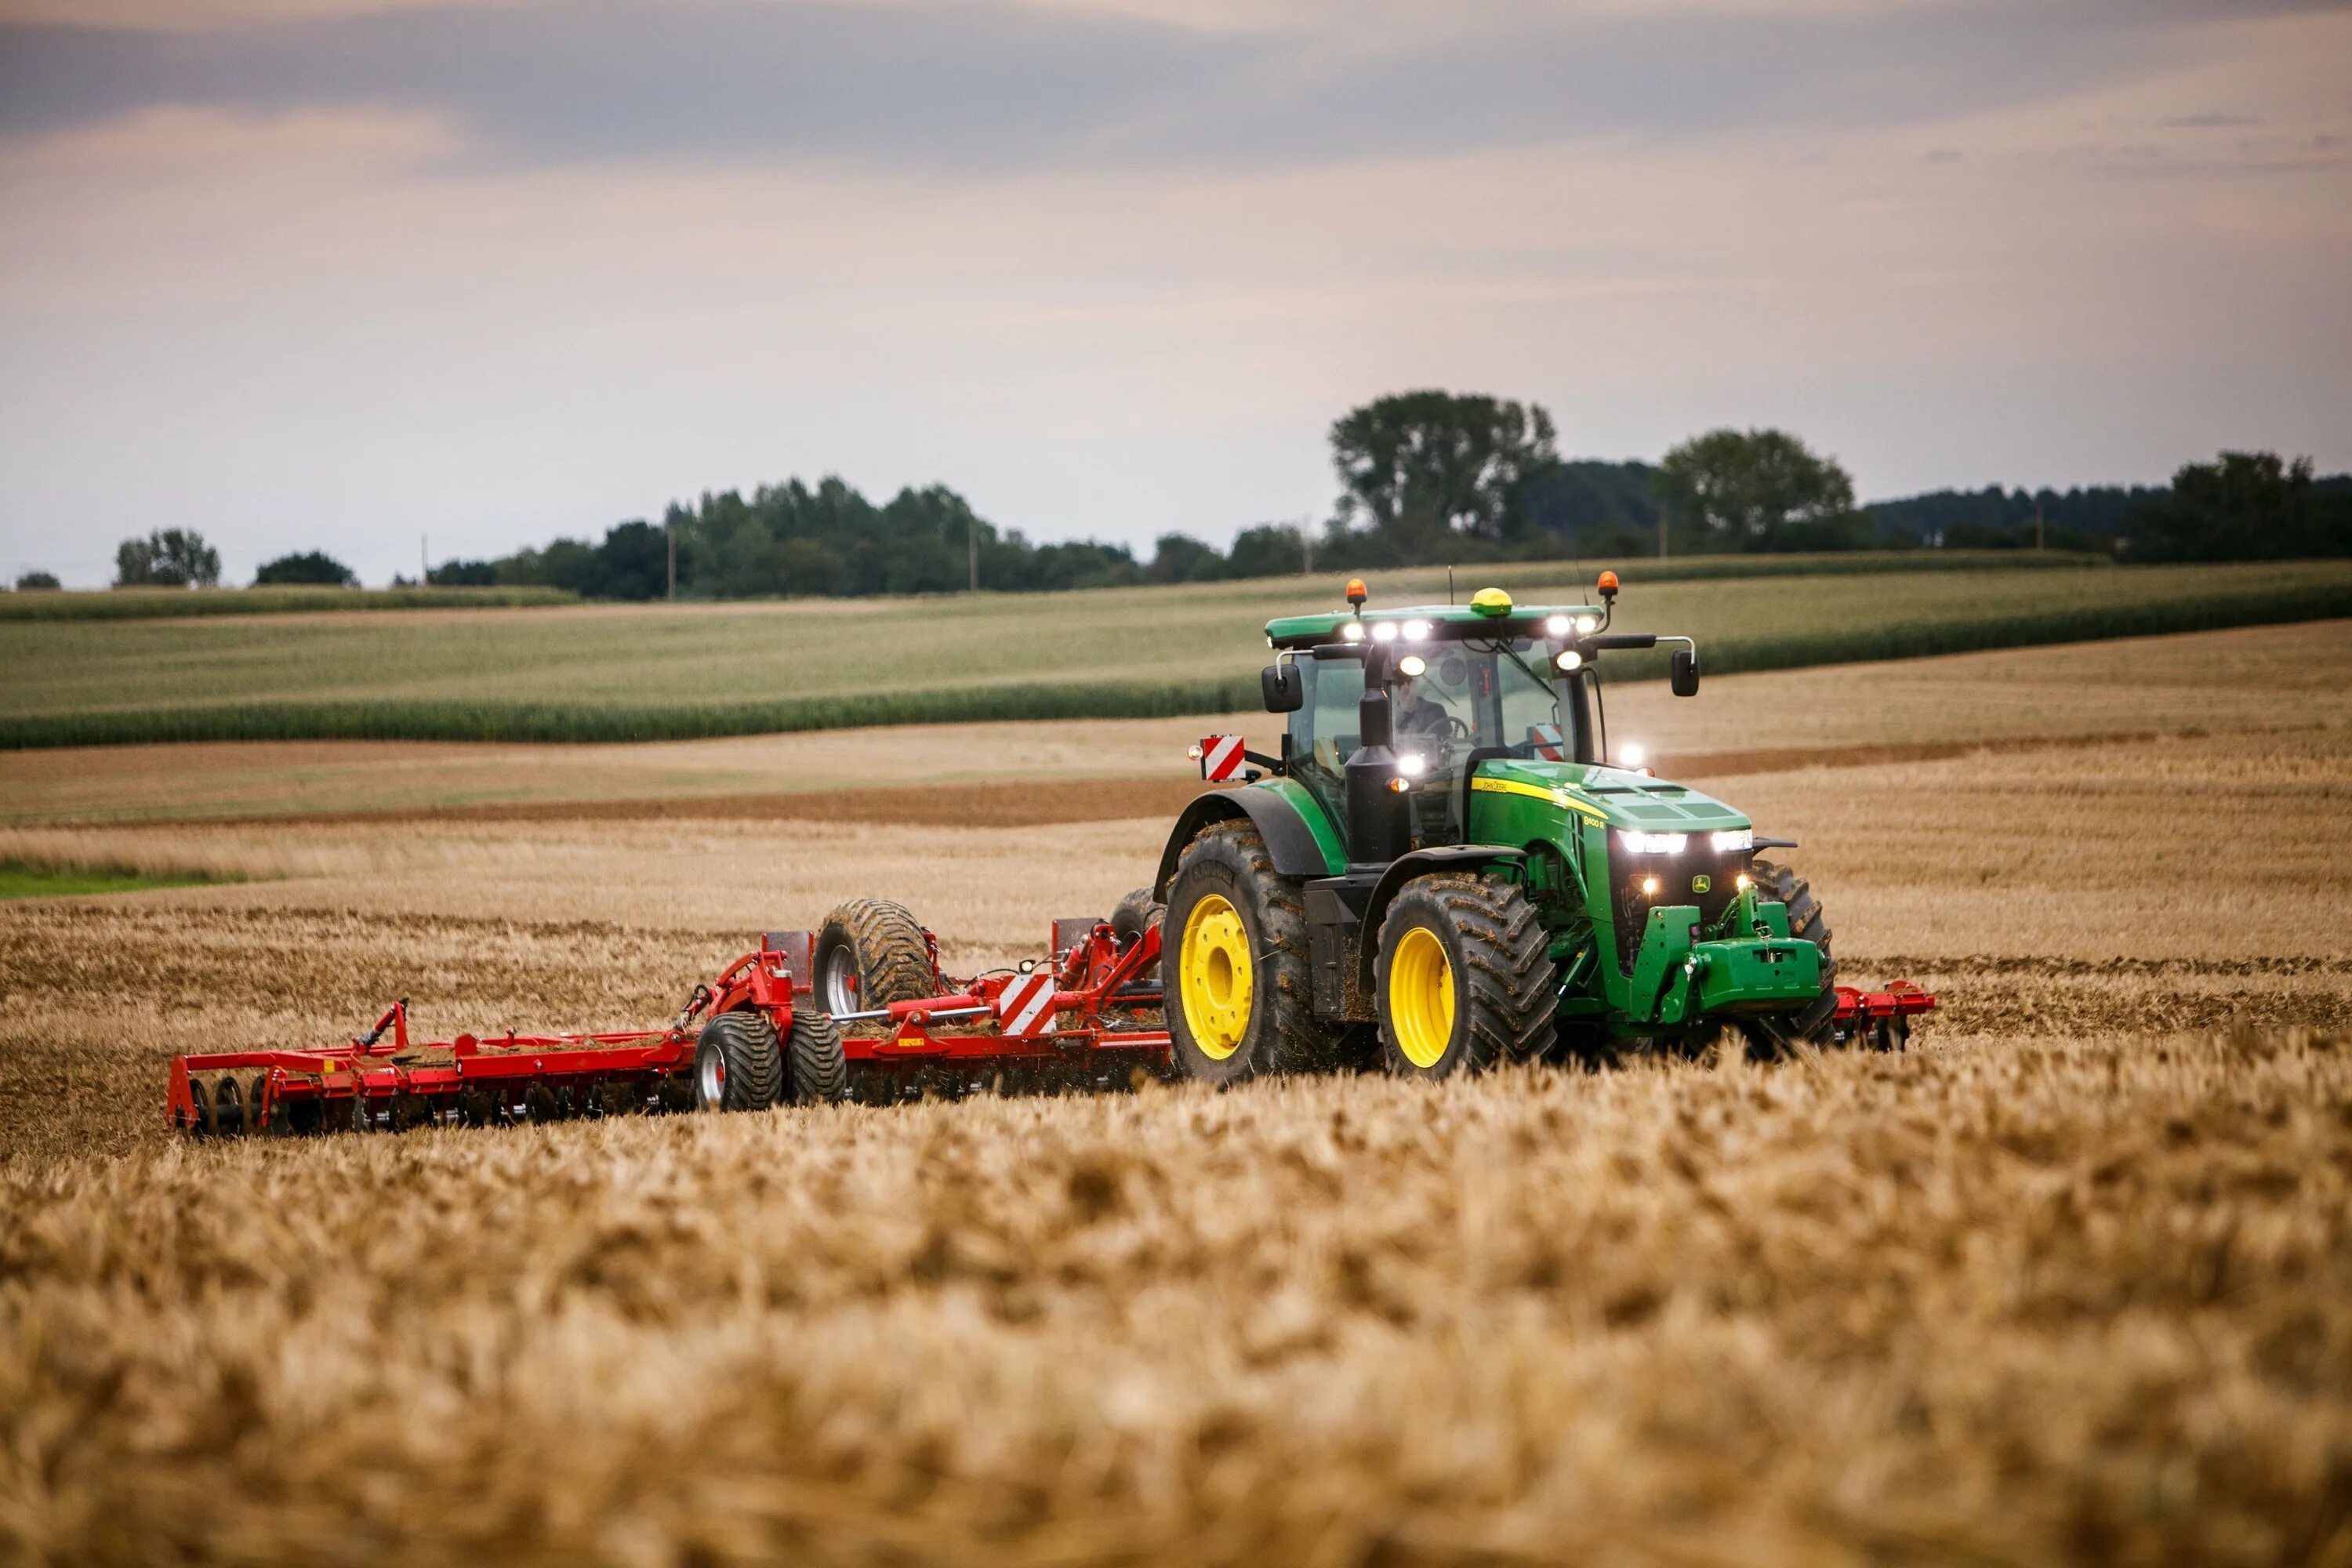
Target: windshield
[(1494, 694), (1490, 694)]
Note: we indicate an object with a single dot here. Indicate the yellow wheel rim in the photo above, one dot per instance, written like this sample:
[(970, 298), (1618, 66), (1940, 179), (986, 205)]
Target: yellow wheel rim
[(1421, 998), (1214, 969)]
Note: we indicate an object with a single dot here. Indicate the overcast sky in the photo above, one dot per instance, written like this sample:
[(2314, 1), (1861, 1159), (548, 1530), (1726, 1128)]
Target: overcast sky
[(309, 273)]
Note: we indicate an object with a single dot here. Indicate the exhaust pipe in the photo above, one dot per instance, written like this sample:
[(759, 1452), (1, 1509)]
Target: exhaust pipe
[(1380, 818)]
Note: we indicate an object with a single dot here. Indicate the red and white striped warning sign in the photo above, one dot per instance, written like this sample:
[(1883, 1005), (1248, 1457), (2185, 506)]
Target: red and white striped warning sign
[(1026, 1003), (1220, 756), (1548, 743)]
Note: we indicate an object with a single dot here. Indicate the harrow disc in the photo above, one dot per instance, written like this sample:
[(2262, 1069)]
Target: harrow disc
[(228, 1107)]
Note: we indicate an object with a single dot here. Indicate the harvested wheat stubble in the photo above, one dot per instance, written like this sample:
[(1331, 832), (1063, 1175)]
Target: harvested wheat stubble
[(2042, 1290), (96, 997), (2067, 1301)]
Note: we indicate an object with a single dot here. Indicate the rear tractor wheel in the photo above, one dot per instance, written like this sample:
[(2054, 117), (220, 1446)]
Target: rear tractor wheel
[(1463, 976), (869, 954), (1235, 971), (737, 1063)]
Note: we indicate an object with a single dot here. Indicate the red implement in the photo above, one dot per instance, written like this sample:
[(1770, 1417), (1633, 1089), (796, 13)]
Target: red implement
[(1071, 1019)]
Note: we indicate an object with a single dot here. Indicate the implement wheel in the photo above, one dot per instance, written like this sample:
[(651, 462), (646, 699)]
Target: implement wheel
[(1232, 962), (816, 1070), (1137, 913), (869, 954), (1462, 976), (1815, 1025), (737, 1064)]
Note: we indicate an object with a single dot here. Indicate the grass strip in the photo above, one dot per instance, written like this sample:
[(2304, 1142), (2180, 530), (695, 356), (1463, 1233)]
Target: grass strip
[(37, 879), (599, 723), (187, 604)]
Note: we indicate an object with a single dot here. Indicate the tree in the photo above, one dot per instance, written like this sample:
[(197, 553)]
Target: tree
[(633, 563), (166, 558), (1589, 506), (1758, 490), (1420, 466), (456, 573), (2245, 506), (310, 566), (1181, 558), (37, 582), (1269, 550)]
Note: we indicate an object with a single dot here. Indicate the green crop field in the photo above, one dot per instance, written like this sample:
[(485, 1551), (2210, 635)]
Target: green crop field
[(27, 880), (185, 604), (663, 671)]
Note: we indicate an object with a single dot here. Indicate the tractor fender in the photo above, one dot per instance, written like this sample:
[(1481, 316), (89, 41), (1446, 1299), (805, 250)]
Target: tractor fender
[(1403, 869), (1288, 840)]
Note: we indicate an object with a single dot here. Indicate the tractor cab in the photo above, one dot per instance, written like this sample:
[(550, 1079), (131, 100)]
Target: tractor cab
[(1462, 684)]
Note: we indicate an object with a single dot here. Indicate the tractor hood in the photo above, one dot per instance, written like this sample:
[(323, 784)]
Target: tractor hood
[(1614, 795)]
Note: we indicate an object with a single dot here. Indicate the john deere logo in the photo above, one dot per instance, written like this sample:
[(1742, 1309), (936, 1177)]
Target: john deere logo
[(1701, 884)]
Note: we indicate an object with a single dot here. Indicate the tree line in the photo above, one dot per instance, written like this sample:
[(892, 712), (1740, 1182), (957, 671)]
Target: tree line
[(1425, 477)]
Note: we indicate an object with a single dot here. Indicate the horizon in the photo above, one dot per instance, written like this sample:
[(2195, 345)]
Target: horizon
[(323, 274)]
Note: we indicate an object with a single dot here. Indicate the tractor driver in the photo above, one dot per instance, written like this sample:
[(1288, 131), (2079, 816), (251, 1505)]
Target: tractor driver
[(1419, 716)]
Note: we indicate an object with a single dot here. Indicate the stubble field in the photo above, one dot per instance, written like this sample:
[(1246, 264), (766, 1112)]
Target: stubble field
[(2067, 1282)]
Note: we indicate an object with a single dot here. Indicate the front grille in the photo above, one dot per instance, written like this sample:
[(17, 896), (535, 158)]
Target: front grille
[(1721, 869)]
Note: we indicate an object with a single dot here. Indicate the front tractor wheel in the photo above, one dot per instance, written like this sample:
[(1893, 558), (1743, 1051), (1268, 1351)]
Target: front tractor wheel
[(1768, 1038), (1232, 962), (1465, 977), (737, 1063)]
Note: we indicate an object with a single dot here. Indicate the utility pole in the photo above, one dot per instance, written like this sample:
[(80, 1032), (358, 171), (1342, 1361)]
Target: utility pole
[(424, 560), (669, 531), (971, 554)]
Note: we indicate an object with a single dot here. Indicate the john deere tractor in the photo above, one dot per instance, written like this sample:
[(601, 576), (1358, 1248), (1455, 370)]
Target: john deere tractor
[(1444, 851)]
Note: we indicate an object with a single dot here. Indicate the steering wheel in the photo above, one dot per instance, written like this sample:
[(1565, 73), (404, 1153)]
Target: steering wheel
[(1459, 730)]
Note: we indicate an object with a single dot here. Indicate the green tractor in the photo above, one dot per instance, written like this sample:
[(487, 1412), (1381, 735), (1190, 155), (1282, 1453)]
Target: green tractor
[(1442, 849)]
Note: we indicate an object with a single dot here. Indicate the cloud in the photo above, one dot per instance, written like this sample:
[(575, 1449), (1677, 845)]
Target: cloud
[(935, 86)]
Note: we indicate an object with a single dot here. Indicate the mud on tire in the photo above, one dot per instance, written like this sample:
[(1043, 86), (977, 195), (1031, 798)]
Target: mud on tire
[(869, 954), (1229, 860), (1504, 978), (1768, 1038), (1136, 914), (737, 1064), (816, 1071)]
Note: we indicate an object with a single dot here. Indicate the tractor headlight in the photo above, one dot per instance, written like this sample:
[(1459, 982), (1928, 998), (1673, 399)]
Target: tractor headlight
[(1737, 841), (1353, 632), (1586, 626), (1570, 660), (1412, 664), (1555, 626), (1415, 631), (1413, 763), (1637, 842), (1384, 631)]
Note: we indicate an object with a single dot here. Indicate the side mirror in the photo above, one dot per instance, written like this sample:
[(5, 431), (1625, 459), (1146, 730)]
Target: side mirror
[(1684, 676), (1285, 692)]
